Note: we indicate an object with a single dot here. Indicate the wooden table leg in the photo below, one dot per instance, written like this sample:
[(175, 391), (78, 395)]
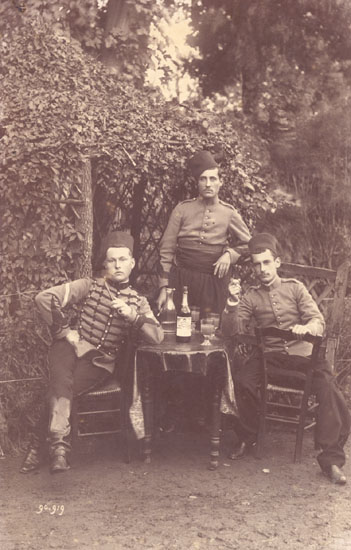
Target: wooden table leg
[(218, 384), (146, 395)]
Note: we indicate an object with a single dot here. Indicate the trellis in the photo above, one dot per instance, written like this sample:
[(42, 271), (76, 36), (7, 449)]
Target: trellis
[(141, 207)]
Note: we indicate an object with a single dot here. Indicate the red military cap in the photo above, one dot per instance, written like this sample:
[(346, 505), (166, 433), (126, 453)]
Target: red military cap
[(201, 161), (261, 242)]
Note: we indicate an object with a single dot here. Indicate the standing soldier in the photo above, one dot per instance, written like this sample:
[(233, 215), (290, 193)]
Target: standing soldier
[(203, 239)]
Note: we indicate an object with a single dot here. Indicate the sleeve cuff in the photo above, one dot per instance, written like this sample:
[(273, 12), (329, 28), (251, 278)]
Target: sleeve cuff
[(234, 255), (139, 321), (231, 305), (162, 282)]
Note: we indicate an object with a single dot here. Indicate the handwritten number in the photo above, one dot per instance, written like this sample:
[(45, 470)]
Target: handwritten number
[(59, 509)]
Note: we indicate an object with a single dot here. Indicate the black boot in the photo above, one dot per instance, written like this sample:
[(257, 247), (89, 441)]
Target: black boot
[(32, 460), (35, 453), (59, 451), (58, 460)]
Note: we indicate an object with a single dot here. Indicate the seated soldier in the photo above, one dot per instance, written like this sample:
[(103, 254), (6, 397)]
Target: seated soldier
[(285, 304), (81, 359)]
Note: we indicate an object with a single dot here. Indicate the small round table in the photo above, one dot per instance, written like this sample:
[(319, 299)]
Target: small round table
[(196, 359)]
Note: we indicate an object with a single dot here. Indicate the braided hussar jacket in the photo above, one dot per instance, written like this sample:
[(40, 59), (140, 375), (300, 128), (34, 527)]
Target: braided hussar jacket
[(99, 327)]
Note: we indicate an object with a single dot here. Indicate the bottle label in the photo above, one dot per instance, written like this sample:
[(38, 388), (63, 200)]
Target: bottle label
[(184, 326)]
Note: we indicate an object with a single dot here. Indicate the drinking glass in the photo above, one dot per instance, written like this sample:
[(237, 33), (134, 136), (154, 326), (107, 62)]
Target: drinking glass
[(195, 317), (216, 318), (207, 329)]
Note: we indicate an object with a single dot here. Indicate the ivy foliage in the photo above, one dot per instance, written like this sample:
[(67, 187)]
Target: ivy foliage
[(62, 107)]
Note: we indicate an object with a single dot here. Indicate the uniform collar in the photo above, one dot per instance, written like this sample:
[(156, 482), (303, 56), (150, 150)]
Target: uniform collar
[(276, 283), (116, 285), (210, 202)]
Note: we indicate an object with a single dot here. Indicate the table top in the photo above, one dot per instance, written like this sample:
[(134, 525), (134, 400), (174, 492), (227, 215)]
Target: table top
[(170, 345)]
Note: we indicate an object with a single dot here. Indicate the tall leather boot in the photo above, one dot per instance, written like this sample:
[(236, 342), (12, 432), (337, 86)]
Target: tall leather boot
[(32, 459), (59, 434), (59, 451), (35, 452)]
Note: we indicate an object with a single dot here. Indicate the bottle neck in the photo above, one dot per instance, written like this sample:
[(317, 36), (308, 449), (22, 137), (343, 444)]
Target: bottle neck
[(185, 305)]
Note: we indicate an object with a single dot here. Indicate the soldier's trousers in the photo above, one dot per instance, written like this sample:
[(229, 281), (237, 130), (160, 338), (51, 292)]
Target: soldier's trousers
[(69, 377), (332, 417)]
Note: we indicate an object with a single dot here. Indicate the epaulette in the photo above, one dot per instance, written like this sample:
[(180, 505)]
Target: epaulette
[(227, 205), (252, 287), (187, 200), (290, 280)]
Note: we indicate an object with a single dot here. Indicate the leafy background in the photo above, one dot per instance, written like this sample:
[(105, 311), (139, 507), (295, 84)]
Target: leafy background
[(87, 144)]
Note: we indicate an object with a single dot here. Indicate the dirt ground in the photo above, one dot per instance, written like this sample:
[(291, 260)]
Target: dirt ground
[(175, 503)]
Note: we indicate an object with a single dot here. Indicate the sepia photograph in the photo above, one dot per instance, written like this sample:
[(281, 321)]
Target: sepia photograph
[(175, 297)]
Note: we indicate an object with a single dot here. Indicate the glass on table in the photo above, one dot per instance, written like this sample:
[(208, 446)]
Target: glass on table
[(207, 330), (216, 319), (195, 317)]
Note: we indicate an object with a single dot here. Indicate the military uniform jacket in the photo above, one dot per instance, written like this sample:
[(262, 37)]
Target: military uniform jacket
[(100, 327), (195, 224), (283, 304)]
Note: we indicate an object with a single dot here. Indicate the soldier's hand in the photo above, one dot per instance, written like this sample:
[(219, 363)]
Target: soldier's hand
[(234, 289), (299, 331), (222, 265), (161, 300), (124, 310)]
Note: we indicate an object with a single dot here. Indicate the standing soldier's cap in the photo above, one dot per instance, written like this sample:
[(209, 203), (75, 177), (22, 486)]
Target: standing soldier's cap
[(261, 242), (201, 161), (116, 239)]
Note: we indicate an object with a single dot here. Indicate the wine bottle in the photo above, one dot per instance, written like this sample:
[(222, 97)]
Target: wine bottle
[(183, 332), (168, 315)]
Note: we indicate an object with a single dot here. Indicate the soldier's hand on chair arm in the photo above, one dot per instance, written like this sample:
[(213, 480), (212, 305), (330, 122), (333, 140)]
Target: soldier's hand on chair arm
[(311, 328)]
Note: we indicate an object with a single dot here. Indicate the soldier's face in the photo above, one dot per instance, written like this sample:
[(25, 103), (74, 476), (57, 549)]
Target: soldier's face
[(209, 184), (265, 266), (118, 264)]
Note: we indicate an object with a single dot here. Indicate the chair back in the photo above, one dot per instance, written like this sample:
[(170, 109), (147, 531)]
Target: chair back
[(328, 289)]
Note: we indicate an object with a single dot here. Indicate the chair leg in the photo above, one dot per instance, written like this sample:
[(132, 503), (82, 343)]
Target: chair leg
[(299, 435), (74, 422), (298, 444), (125, 429), (261, 434)]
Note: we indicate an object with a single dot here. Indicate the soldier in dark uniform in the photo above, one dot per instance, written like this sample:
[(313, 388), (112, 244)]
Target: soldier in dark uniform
[(203, 239), (82, 358), (285, 304)]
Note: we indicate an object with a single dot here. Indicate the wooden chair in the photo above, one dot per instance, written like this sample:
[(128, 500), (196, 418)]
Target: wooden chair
[(297, 385), (104, 409), (328, 288)]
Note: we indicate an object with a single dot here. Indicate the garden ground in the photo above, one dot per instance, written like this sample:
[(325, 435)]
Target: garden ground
[(175, 503)]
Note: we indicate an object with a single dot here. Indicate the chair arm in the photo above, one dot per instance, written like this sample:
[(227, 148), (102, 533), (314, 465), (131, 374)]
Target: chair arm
[(286, 335)]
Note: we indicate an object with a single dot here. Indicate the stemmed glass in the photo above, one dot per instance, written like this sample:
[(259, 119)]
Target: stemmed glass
[(207, 330), (195, 317), (215, 318)]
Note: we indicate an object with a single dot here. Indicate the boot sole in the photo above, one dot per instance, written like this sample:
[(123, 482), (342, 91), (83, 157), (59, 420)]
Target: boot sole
[(59, 470)]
